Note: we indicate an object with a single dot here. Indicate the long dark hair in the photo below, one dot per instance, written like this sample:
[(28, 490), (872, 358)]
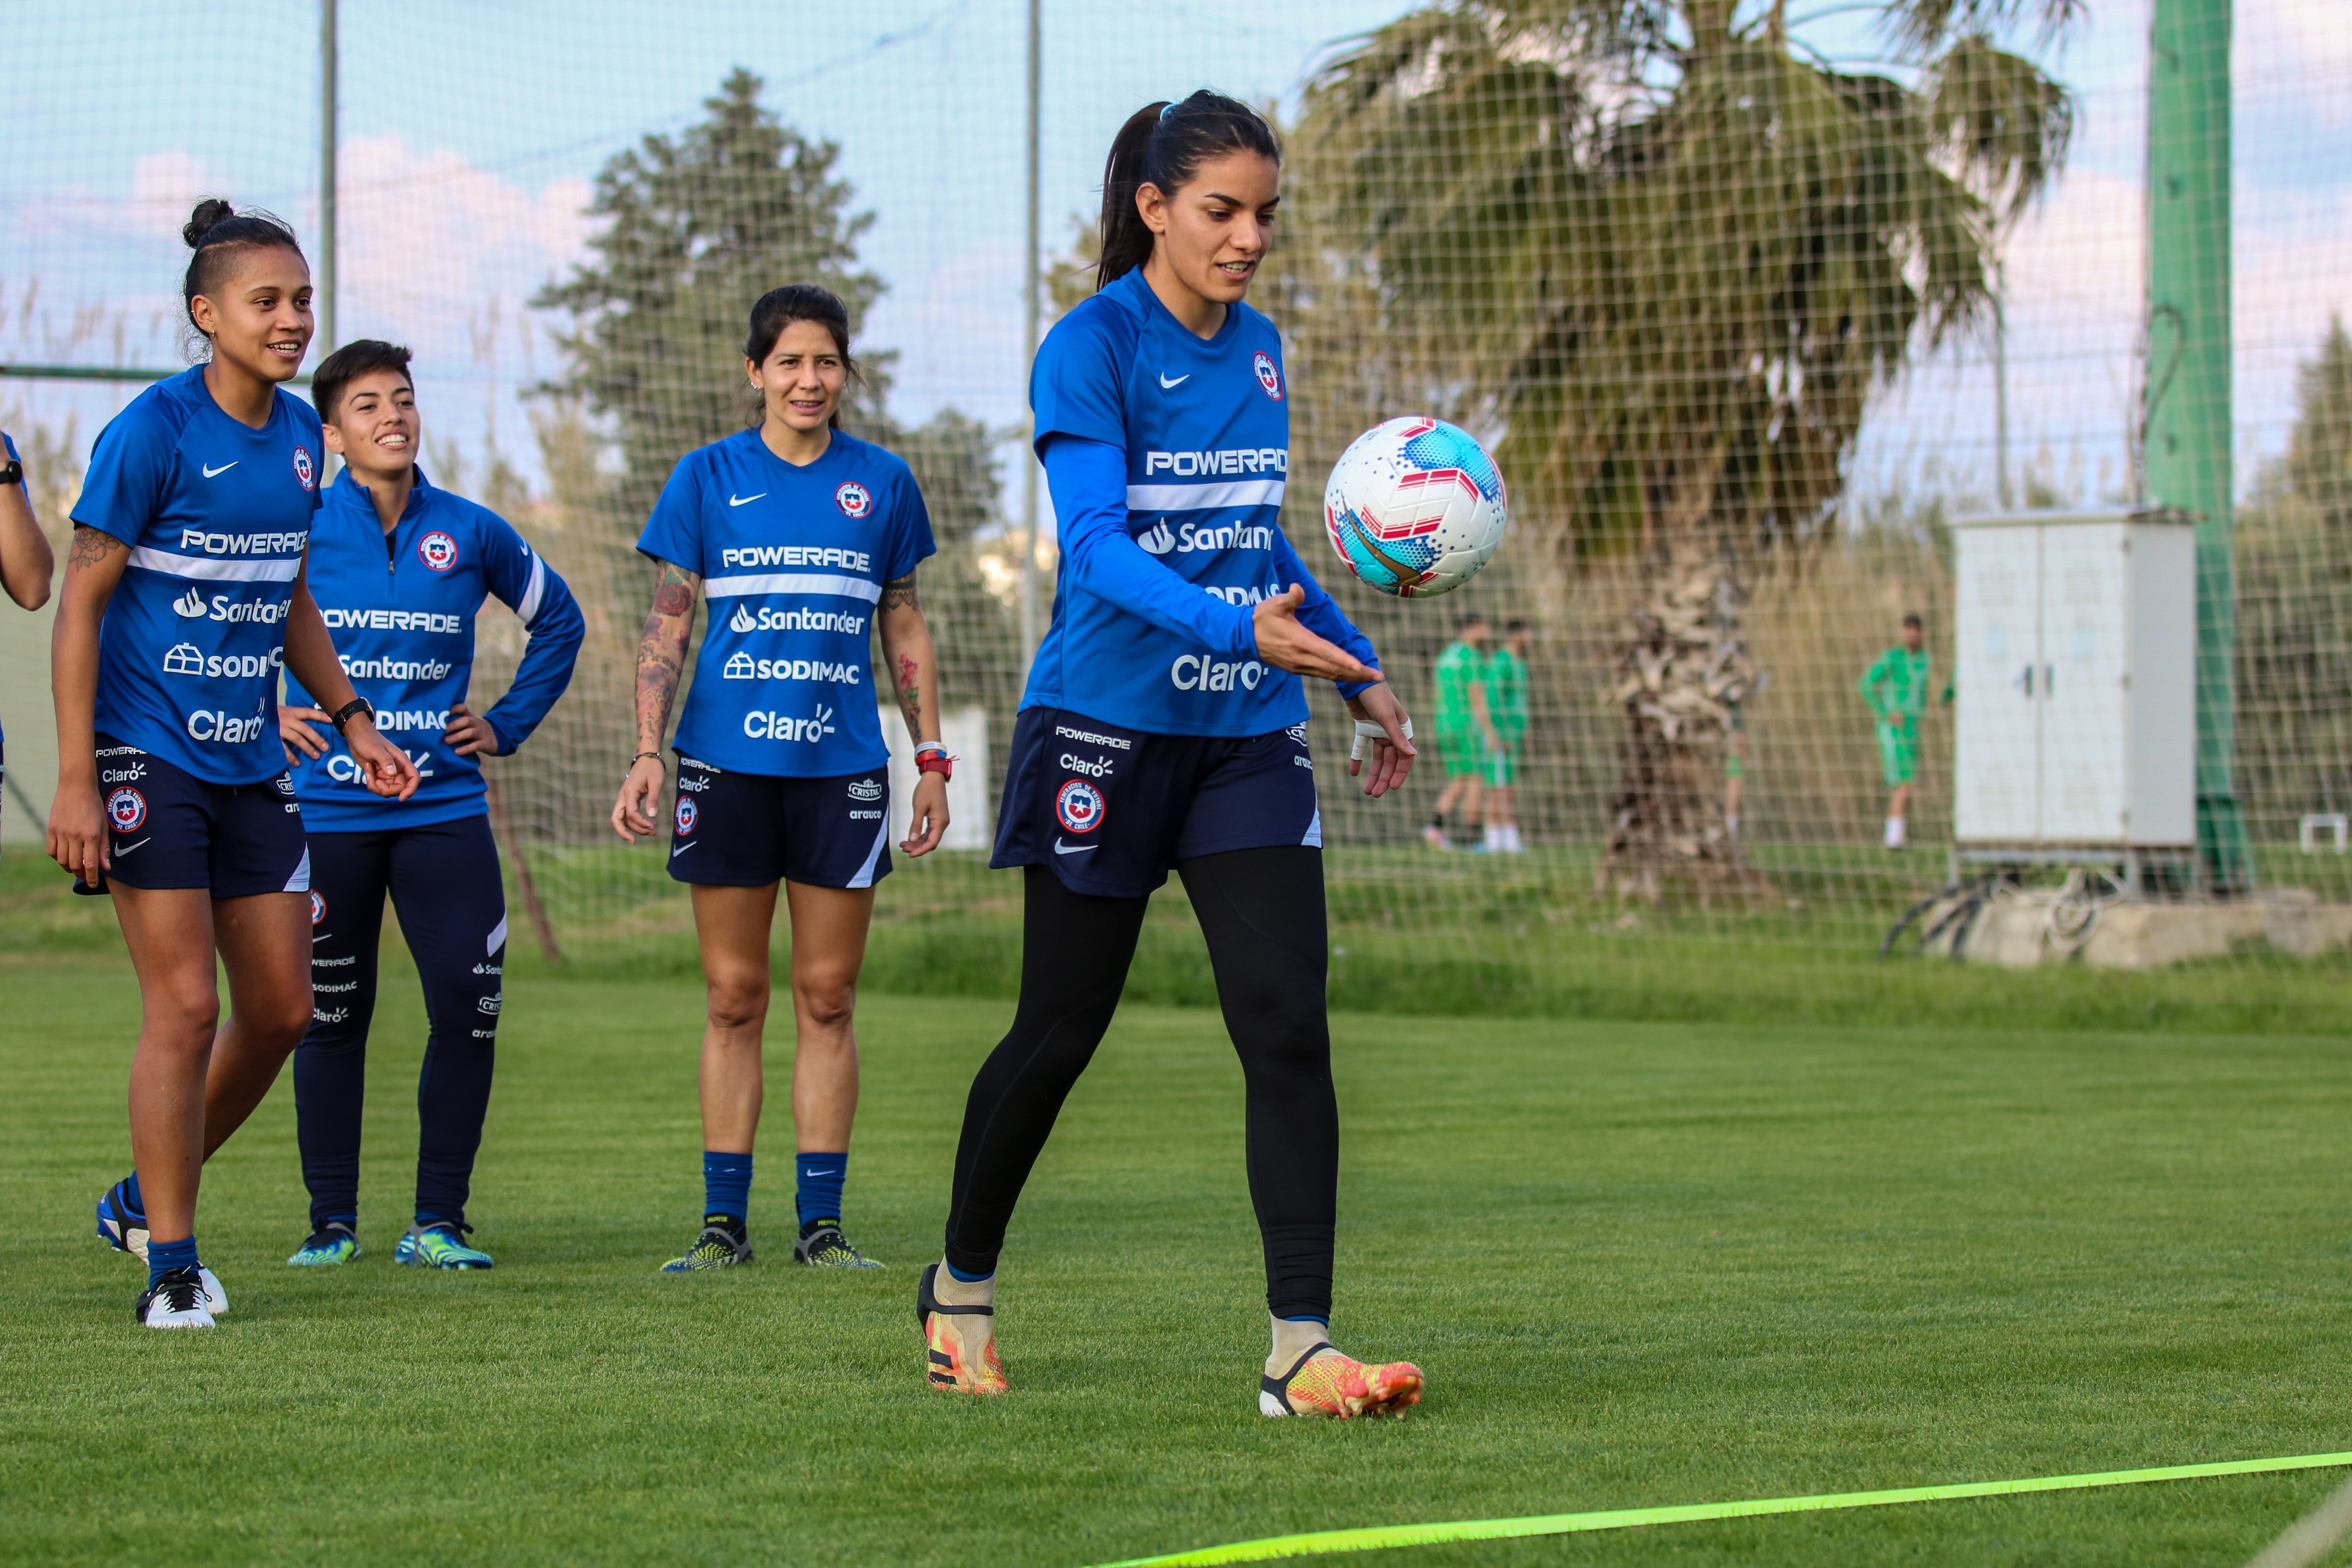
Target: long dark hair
[(214, 231), (780, 308), (1164, 144)]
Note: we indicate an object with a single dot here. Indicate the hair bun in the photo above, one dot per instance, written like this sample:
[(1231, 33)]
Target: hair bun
[(209, 215)]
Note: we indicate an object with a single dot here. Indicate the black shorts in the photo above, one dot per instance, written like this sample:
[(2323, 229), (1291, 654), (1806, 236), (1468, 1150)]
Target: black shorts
[(747, 830), (168, 828), (1111, 810)]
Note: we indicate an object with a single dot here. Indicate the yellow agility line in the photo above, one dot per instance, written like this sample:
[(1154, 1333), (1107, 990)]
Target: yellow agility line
[(1317, 1542)]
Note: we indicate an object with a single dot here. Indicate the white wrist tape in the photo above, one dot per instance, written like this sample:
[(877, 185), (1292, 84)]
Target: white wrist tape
[(1366, 730)]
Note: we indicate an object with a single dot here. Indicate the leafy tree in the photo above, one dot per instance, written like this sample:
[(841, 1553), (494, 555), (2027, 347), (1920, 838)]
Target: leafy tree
[(701, 225), (2295, 606), (1668, 250)]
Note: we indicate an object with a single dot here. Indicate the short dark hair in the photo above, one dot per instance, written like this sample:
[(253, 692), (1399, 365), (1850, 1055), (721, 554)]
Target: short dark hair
[(1471, 618), (1913, 620), (361, 356), (1515, 625)]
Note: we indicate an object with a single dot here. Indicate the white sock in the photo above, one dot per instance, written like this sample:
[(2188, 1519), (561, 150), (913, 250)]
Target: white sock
[(1511, 844), (1894, 833), (1493, 838), (1731, 824), (1292, 1341)]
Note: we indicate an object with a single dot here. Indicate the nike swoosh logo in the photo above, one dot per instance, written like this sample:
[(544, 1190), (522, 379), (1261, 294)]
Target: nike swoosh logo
[(127, 848), (1062, 849), (682, 849), (734, 499), (1166, 385), (210, 470)]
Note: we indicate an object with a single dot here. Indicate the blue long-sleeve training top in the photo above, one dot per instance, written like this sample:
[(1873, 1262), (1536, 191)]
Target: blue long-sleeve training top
[(401, 608)]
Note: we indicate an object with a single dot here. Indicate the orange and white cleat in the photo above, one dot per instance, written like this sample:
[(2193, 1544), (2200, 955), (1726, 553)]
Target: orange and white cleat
[(953, 1370), (1327, 1381)]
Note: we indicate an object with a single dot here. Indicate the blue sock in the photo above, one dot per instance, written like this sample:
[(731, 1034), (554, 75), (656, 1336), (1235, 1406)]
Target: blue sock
[(726, 1184), (819, 1194), (162, 1256), (970, 1279), (132, 1199)]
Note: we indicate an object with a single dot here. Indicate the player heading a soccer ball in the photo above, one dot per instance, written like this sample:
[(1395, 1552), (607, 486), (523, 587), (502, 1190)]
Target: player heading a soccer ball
[(1165, 725)]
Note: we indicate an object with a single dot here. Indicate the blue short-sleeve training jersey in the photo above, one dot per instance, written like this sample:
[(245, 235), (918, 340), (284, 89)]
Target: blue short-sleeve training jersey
[(401, 607), (216, 514), (793, 561)]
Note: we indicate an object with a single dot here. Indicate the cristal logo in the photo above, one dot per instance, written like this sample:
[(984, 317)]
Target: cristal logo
[(304, 470), (438, 550), (1268, 376), (865, 789), (741, 621), (1156, 538), (189, 605), (490, 1004), (854, 500)]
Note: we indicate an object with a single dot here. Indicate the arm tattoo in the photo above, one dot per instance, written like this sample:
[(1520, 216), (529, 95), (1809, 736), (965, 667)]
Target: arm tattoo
[(93, 545), (899, 592), (910, 694), (661, 652)]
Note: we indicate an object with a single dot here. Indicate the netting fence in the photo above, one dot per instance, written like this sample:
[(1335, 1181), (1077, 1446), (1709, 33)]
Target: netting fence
[(1754, 306)]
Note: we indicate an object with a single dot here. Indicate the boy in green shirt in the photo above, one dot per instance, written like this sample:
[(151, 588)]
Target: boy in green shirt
[(1465, 729), (1896, 686), (1507, 709)]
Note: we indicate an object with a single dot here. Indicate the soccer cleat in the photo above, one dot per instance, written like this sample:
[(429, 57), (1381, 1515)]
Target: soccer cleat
[(717, 1247), (175, 1302), (1325, 1381), (332, 1242), (951, 1372), (1434, 836), (826, 1247), (440, 1246), (119, 1226)]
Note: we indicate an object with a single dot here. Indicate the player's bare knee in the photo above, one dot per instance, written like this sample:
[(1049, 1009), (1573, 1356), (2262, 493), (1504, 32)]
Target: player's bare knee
[(828, 1003), (737, 1003)]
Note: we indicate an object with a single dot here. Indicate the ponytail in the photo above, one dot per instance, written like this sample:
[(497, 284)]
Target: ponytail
[(1164, 144)]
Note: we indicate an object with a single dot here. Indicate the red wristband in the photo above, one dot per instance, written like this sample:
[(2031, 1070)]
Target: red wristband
[(938, 763)]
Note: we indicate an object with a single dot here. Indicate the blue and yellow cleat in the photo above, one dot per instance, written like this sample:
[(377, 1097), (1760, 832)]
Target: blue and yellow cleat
[(119, 1226), (724, 1243), (332, 1243), (440, 1246)]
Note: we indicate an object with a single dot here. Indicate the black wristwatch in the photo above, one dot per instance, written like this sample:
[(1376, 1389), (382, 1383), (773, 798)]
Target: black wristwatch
[(356, 705), (12, 472)]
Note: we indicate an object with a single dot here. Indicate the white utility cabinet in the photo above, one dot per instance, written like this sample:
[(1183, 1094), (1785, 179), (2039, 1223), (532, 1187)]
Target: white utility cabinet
[(2075, 635)]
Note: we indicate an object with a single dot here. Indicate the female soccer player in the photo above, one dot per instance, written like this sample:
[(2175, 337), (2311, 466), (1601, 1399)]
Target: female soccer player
[(401, 568), (25, 564), (183, 597), (800, 534), (1165, 726)]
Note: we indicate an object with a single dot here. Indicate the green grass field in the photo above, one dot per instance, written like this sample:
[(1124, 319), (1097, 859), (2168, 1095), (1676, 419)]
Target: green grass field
[(1642, 1263)]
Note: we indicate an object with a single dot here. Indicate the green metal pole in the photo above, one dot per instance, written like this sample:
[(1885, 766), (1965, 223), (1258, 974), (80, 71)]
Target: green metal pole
[(2188, 435)]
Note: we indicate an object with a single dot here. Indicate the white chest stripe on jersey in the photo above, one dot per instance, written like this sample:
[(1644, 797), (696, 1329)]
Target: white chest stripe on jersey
[(792, 582), (1202, 498), (217, 568)]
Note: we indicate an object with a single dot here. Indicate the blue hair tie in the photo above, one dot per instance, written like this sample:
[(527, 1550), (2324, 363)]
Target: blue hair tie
[(1168, 109)]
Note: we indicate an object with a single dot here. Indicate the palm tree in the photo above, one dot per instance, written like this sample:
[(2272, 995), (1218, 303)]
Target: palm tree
[(1670, 249)]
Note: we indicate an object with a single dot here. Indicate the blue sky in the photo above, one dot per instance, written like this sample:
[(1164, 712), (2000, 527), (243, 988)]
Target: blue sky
[(471, 130)]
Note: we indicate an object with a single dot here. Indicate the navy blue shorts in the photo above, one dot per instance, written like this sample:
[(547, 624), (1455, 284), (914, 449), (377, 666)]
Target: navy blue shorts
[(747, 830), (168, 828), (1112, 810)]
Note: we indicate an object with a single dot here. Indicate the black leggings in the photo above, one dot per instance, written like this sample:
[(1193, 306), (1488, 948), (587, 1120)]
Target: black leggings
[(444, 881), (1262, 912)]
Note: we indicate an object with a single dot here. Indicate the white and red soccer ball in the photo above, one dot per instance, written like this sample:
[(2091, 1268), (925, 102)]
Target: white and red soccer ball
[(1415, 507)]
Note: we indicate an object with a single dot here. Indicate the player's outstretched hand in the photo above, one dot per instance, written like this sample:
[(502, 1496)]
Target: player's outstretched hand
[(295, 729), (384, 768), (1392, 753), (1285, 644), (931, 816), (632, 812), (469, 734)]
